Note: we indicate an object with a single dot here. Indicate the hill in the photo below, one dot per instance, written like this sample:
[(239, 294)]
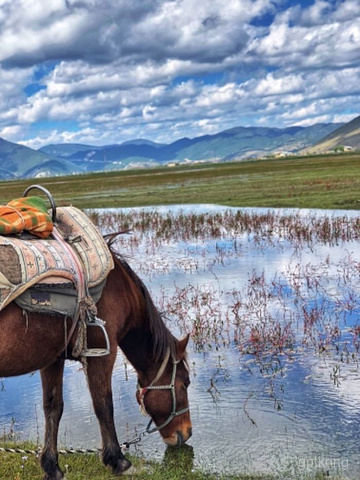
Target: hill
[(18, 161), (142, 141), (346, 136)]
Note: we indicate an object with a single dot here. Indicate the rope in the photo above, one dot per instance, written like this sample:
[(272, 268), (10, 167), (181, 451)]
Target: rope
[(70, 451), (19, 450), (65, 451)]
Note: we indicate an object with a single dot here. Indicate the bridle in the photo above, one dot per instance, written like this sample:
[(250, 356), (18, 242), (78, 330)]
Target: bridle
[(171, 387)]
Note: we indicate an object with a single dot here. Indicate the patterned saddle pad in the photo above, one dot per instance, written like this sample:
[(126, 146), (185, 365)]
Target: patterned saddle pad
[(45, 264)]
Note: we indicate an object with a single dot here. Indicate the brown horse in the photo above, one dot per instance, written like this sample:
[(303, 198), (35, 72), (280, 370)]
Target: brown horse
[(36, 342)]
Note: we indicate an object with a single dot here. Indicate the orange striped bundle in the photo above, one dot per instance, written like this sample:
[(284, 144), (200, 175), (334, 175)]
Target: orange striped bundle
[(27, 213)]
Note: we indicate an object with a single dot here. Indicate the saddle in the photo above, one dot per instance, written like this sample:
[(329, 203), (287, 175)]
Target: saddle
[(63, 274)]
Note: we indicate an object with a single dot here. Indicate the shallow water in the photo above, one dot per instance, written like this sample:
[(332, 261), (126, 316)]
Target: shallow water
[(291, 414)]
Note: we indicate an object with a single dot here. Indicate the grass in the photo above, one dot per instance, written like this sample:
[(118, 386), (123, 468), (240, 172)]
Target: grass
[(329, 181), (177, 465)]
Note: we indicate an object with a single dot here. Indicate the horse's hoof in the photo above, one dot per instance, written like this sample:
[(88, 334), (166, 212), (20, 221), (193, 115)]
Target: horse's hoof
[(123, 464), (58, 476), (130, 471)]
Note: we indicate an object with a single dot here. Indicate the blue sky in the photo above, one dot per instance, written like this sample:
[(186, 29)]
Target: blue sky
[(106, 71)]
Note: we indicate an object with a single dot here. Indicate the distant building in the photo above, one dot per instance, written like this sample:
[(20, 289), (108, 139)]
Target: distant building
[(282, 154)]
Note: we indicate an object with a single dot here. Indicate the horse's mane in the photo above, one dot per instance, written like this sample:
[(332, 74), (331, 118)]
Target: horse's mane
[(161, 336)]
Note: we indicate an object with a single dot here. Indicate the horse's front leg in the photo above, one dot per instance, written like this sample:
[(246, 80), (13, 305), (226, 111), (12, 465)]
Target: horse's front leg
[(99, 378), (52, 384)]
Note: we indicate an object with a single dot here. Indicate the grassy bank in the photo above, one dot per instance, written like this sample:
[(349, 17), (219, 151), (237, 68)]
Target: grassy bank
[(308, 182), (177, 465)]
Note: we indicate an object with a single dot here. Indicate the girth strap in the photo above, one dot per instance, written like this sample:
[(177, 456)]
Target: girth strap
[(85, 304)]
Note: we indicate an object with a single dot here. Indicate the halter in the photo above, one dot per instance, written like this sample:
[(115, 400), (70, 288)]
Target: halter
[(171, 387)]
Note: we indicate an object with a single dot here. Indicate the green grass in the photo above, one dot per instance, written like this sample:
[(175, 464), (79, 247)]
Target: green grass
[(331, 181), (177, 465)]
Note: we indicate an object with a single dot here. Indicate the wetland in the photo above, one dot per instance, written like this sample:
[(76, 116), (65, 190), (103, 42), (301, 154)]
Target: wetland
[(271, 299)]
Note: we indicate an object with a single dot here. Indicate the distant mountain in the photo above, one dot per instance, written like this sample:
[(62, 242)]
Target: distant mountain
[(66, 149), (17, 161), (142, 141), (235, 143), (346, 136), (247, 142)]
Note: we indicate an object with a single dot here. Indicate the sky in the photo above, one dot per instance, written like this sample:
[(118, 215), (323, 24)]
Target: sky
[(107, 71)]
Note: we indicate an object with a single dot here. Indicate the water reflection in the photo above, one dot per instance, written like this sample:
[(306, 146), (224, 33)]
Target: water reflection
[(288, 409)]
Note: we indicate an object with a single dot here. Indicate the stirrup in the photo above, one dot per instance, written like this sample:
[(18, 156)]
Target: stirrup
[(94, 321)]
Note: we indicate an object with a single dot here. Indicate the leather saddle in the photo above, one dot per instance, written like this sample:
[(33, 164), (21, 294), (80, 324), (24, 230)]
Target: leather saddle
[(47, 265), (58, 274)]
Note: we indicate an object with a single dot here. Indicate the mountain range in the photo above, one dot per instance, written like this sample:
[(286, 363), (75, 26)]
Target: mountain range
[(18, 161)]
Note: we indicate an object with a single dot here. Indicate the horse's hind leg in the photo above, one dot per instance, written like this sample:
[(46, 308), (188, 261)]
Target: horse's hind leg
[(99, 378), (52, 384)]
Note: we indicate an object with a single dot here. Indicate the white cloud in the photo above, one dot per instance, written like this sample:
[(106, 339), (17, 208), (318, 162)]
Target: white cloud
[(212, 96), (85, 136), (11, 132), (271, 85), (101, 31), (169, 68), (343, 118), (12, 93), (318, 38)]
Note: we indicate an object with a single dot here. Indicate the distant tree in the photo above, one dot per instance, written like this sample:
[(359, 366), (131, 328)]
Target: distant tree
[(339, 149)]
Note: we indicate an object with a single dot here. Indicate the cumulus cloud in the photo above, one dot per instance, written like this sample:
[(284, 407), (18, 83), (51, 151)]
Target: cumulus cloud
[(12, 92), (85, 135), (93, 30), (316, 37), (115, 70), (101, 31)]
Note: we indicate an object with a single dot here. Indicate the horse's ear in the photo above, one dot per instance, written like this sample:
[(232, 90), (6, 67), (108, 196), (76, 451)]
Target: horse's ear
[(181, 347)]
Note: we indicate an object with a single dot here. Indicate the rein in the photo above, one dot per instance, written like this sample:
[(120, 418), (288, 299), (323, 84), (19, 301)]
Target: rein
[(171, 387)]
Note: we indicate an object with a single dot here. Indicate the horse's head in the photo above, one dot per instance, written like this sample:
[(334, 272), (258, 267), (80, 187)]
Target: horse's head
[(165, 398)]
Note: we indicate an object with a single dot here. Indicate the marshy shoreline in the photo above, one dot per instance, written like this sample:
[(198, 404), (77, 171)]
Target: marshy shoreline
[(293, 321), (253, 323)]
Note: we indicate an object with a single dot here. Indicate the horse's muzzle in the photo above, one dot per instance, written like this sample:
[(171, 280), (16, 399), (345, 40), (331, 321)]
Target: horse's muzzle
[(178, 438)]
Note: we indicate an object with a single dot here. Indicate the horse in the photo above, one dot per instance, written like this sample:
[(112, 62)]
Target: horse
[(35, 341)]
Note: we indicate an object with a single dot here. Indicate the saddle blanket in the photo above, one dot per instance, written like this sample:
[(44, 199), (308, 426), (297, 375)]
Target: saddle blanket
[(45, 264)]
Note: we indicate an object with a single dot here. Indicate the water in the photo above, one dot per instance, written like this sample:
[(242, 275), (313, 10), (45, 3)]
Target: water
[(290, 411)]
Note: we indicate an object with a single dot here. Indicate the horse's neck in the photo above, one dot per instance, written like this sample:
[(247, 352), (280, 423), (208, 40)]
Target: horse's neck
[(137, 345), (136, 338)]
